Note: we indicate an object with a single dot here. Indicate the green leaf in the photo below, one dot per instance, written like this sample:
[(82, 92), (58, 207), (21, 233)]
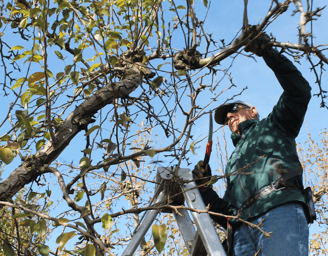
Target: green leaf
[(91, 130), (7, 249), (21, 116), (78, 223), (43, 249), (32, 195), (113, 61), (205, 3), (63, 220), (40, 102), (114, 35), (23, 23), (36, 77), (39, 144), (77, 57), (87, 151), (106, 221), (144, 39), (90, 250), (7, 155), (157, 81), (151, 153), (59, 55), (22, 214), (181, 7), (123, 175), (6, 138), (17, 47), (160, 236), (79, 196), (63, 239), (84, 162), (161, 65), (181, 72), (75, 76)]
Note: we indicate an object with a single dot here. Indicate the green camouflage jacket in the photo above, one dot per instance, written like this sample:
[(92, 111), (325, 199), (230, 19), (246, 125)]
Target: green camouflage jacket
[(266, 149)]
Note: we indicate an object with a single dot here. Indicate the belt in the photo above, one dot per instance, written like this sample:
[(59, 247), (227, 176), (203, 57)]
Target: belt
[(276, 185)]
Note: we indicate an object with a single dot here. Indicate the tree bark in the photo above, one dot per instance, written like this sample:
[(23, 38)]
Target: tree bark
[(33, 167)]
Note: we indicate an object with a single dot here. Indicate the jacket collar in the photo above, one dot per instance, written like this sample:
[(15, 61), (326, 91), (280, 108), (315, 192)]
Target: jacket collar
[(243, 128)]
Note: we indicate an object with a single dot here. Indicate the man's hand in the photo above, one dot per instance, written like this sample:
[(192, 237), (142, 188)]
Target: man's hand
[(260, 45), (202, 174)]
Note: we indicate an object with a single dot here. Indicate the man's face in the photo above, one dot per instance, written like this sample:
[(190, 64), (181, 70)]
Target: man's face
[(238, 115)]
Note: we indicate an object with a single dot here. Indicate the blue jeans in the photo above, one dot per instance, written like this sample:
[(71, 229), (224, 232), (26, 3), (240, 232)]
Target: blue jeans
[(290, 233)]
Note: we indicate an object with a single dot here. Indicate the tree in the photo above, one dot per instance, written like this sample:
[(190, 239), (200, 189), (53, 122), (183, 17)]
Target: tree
[(117, 75)]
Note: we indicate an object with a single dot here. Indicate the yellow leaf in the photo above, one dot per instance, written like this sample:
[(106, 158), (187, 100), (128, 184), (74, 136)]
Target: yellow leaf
[(36, 77)]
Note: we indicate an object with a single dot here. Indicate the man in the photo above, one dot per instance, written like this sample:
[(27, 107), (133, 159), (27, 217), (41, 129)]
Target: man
[(264, 183)]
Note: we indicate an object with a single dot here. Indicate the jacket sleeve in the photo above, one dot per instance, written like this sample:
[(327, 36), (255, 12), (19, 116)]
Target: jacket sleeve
[(290, 110), (218, 205)]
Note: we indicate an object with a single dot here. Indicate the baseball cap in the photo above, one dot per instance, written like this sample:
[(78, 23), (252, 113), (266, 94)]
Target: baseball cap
[(221, 111)]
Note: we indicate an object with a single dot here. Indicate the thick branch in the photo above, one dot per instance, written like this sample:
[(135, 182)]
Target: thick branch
[(73, 124)]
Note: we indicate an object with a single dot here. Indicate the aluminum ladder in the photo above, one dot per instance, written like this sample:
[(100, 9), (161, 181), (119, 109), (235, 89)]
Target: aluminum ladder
[(201, 242)]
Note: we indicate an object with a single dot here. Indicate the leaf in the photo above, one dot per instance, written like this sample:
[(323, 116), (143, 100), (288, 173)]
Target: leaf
[(161, 65), (6, 138), (63, 239), (43, 249), (7, 249), (36, 77), (106, 221), (181, 72), (151, 153), (90, 250), (81, 225), (84, 162), (192, 148), (160, 236), (91, 130), (157, 81), (75, 76), (7, 155), (23, 23), (94, 66), (87, 151), (78, 57), (205, 3), (79, 196), (39, 144), (32, 195), (59, 55), (123, 175), (144, 39), (21, 116), (181, 7), (17, 47)]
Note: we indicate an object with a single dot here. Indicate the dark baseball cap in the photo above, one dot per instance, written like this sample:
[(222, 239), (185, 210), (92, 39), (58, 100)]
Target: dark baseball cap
[(221, 112)]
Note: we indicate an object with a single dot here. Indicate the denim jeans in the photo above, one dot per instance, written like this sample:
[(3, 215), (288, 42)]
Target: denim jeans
[(290, 233)]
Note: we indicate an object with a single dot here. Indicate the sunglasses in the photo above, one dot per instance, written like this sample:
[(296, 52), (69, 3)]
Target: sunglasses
[(235, 108)]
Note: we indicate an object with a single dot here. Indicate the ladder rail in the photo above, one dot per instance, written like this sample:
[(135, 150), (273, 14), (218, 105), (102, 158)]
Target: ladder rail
[(143, 228), (203, 221)]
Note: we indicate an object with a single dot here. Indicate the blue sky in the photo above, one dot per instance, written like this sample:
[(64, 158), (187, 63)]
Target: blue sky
[(263, 88)]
